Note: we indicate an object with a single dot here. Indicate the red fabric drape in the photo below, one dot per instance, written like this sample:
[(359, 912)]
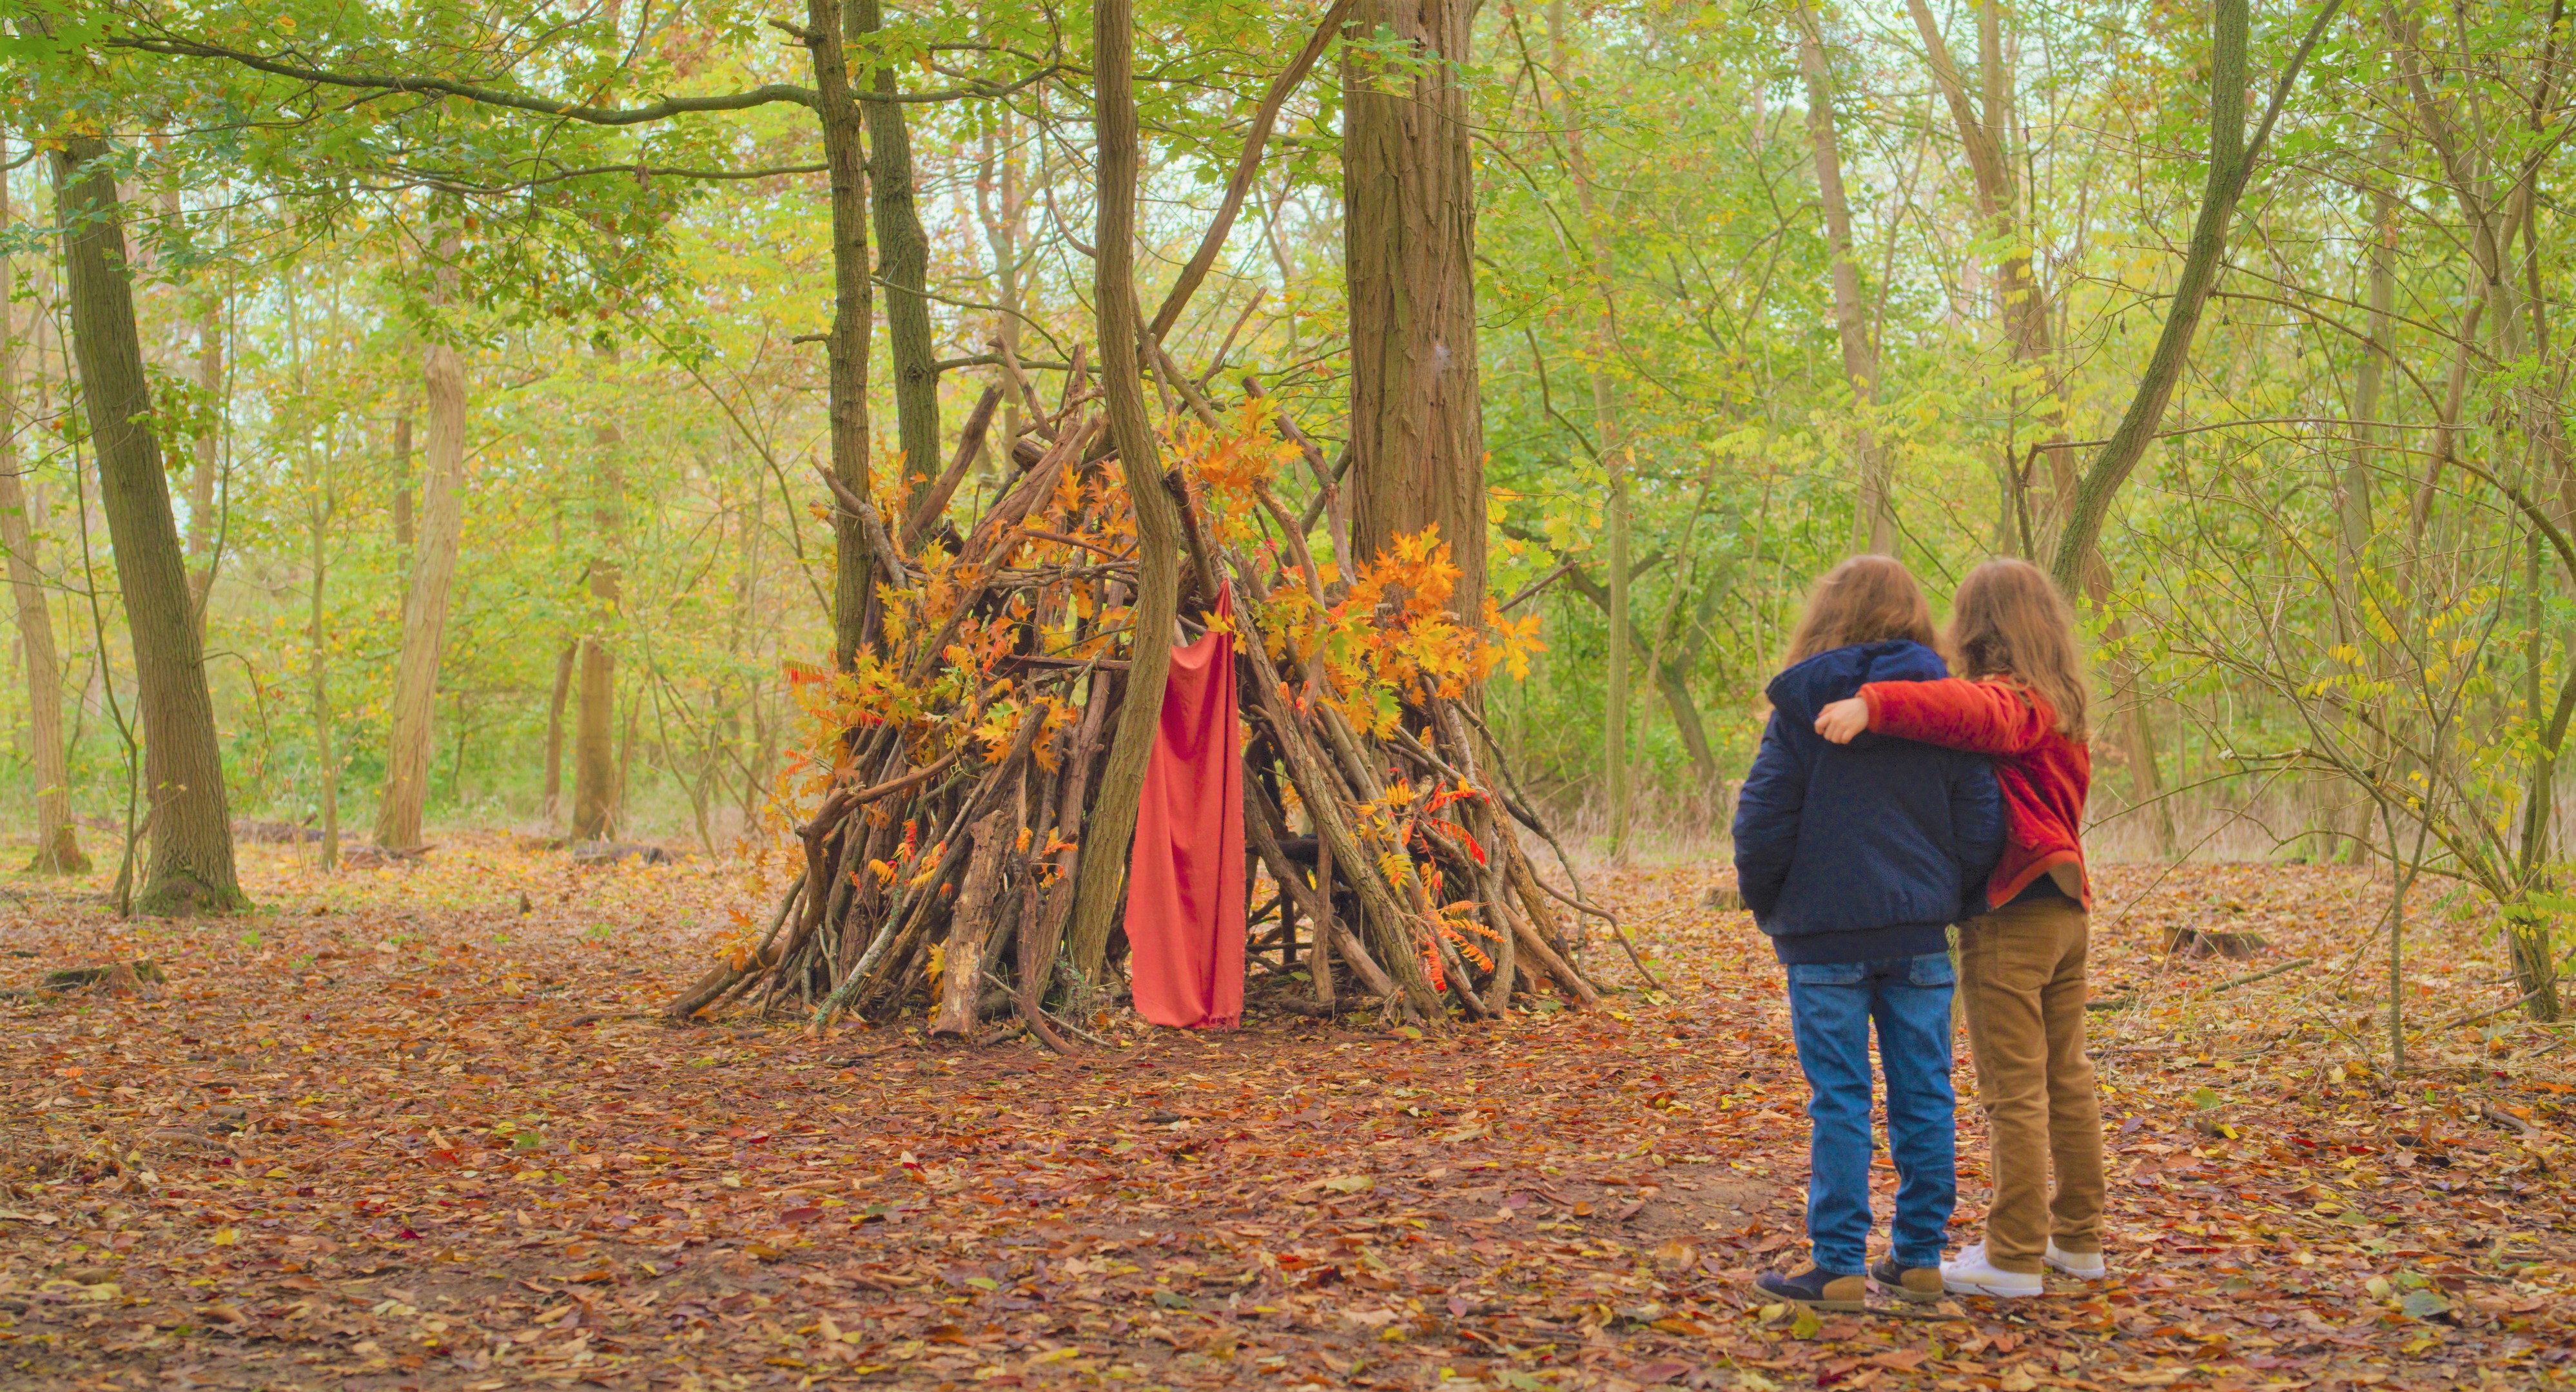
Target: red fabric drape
[(1185, 880)]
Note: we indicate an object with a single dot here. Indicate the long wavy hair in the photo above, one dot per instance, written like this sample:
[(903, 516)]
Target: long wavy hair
[(2008, 620), (1867, 599)]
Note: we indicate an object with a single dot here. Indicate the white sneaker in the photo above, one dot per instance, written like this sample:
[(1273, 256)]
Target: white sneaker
[(2084, 1266), (1968, 1274)]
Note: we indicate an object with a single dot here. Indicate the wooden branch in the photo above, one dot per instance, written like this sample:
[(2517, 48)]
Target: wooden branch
[(963, 967), (1040, 423), (1246, 164), (873, 523), (1328, 479), (713, 986), (909, 781), (1540, 926), (1316, 784), (664, 109), (1314, 900), (969, 442), (1489, 884)]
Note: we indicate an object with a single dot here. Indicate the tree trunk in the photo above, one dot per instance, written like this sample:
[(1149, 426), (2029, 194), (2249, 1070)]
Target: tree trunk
[(1669, 679), (1112, 829), (191, 867), (402, 480), (1874, 513), (903, 263), (843, 140), (320, 674), (553, 805), (625, 761), (1417, 434), (1614, 695), (594, 768), (424, 634), (2354, 499), (2231, 165), (209, 461), (57, 852), (2022, 301), (1001, 202)]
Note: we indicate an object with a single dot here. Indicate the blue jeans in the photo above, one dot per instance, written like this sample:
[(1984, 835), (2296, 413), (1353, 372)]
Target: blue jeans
[(1831, 1006)]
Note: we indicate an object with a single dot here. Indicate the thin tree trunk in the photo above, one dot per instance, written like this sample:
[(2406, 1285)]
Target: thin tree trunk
[(625, 762), (903, 263), (433, 574), (1669, 682), (320, 675), (402, 480), (57, 851), (209, 460), (1417, 434), (191, 867), (2023, 302), (2231, 166), (1001, 202), (1112, 830), (844, 154), (553, 805), (594, 771), (2354, 502), (1874, 513)]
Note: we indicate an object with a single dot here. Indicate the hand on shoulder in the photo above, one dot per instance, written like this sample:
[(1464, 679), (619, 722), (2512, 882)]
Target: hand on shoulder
[(1842, 721)]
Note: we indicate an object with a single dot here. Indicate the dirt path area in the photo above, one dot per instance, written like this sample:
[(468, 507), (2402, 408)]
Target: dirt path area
[(413, 1129)]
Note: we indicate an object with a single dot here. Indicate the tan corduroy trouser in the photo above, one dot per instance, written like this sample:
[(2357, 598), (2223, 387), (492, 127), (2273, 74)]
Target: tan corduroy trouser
[(2021, 984)]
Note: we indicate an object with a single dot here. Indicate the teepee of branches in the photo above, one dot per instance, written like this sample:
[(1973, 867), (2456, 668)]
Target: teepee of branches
[(954, 769)]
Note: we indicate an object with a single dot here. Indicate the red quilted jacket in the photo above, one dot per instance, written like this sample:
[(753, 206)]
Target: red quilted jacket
[(2044, 774)]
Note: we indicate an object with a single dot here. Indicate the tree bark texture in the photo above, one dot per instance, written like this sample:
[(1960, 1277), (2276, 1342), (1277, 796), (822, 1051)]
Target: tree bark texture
[(191, 866), (402, 481), (433, 575), (1111, 832), (961, 978), (318, 673), (209, 460), (58, 852), (554, 730), (595, 772), (1001, 201), (903, 263), (1417, 432), (1874, 511), (844, 154), (2353, 500)]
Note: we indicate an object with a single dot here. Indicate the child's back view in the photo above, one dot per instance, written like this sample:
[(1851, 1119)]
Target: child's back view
[(1855, 859)]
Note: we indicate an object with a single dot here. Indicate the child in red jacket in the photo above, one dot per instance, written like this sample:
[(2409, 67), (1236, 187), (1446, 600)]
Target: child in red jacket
[(2021, 977)]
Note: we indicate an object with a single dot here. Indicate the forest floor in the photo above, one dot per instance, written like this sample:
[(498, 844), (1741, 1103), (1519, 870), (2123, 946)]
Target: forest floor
[(415, 1129)]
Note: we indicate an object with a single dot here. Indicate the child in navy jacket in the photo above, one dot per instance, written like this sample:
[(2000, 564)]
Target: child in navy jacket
[(1855, 859)]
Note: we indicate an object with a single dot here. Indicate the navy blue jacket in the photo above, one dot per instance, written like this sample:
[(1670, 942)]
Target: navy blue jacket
[(1868, 850)]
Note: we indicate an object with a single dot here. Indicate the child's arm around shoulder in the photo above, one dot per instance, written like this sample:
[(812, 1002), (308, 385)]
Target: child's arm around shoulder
[(1984, 717)]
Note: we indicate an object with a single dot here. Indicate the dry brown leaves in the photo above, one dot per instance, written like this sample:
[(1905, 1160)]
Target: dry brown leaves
[(395, 1132)]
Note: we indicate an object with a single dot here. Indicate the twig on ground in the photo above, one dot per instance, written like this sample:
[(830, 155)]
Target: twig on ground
[(2251, 977)]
